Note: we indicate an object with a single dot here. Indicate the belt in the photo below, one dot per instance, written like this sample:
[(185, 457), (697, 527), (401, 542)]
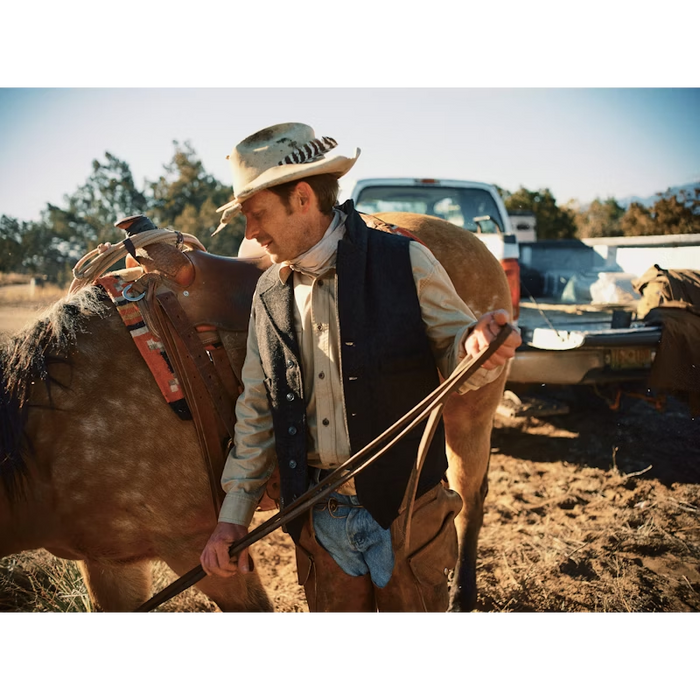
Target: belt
[(332, 504)]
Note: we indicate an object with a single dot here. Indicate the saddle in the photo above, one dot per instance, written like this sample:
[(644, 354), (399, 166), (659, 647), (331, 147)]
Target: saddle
[(198, 305)]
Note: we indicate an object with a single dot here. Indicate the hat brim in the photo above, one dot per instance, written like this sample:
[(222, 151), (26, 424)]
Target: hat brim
[(338, 165)]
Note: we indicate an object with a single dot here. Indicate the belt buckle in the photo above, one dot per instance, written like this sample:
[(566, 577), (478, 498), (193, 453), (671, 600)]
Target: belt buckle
[(333, 505)]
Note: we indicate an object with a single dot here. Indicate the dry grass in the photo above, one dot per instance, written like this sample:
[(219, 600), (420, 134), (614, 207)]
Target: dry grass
[(14, 278), (21, 304), (39, 582), (36, 581), (25, 294)]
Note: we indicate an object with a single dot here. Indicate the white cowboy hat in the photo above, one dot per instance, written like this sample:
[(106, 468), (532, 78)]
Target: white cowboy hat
[(278, 154)]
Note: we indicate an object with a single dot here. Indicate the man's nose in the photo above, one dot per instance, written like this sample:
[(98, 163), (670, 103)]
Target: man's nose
[(250, 231)]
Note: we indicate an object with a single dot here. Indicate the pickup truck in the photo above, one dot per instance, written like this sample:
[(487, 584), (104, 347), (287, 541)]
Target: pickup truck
[(579, 342)]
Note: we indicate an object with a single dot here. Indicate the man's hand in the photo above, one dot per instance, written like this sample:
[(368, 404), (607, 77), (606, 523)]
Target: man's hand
[(215, 559), (485, 330)]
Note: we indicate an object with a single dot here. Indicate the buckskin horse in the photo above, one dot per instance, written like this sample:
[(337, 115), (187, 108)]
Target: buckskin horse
[(96, 467)]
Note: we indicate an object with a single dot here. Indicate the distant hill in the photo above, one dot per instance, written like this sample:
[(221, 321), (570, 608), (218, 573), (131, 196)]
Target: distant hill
[(650, 201)]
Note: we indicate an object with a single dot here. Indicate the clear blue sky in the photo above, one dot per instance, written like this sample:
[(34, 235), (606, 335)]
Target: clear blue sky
[(581, 143)]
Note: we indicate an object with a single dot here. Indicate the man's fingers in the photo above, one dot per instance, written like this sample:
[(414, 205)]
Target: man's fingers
[(210, 564), (500, 316), (485, 332), (244, 562), (227, 563), (215, 558)]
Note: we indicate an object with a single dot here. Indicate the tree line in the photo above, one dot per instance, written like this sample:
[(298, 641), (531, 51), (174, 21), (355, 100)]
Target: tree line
[(671, 213), (185, 197)]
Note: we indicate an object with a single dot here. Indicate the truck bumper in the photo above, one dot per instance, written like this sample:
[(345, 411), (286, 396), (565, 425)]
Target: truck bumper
[(584, 365)]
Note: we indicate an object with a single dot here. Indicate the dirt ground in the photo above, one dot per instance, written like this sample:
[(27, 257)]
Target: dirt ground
[(596, 510)]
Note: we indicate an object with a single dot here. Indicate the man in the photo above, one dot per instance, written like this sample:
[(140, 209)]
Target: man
[(348, 330)]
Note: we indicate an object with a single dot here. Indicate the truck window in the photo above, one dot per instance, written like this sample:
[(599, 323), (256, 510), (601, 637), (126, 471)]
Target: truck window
[(457, 205)]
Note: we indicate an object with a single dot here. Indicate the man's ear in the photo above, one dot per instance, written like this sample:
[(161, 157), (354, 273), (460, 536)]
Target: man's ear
[(304, 195)]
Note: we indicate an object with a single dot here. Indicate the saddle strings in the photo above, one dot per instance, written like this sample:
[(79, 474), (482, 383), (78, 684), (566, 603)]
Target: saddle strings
[(95, 263)]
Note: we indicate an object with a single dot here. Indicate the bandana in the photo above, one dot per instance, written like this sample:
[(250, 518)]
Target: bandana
[(321, 257)]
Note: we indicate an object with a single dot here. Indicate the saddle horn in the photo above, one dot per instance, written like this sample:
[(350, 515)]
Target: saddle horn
[(159, 257), (138, 223)]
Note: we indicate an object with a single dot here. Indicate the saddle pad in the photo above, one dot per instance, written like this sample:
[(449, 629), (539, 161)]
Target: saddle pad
[(150, 347), (379, 225)]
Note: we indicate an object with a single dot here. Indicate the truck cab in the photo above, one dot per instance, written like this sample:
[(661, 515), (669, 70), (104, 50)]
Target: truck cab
[(475, 206)]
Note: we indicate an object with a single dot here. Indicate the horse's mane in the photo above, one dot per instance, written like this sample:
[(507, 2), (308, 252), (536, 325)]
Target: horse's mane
[(25, 358)]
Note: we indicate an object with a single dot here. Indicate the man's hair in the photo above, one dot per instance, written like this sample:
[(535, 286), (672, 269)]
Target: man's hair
[(325, 187)]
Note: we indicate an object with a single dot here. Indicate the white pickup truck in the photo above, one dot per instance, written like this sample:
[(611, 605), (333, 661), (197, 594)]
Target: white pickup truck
[(563, 344)]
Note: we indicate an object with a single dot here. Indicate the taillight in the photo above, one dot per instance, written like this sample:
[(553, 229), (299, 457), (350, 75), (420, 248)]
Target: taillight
[(512, 270)]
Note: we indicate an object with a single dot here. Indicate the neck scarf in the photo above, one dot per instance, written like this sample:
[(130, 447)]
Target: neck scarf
[(321, 257)]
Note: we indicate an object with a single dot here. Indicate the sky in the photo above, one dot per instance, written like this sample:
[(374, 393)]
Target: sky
[(581, 143)]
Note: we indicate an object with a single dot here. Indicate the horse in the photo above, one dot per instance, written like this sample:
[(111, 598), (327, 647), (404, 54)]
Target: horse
[(96, 467)]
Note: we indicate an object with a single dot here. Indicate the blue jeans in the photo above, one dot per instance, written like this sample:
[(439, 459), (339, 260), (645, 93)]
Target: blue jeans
[(354, 539)]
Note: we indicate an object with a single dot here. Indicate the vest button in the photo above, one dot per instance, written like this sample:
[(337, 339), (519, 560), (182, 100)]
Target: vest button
[(292, 465), (290, 396), (321, 375), (290, 363), (320, 283), (292, 430), (326, 421)]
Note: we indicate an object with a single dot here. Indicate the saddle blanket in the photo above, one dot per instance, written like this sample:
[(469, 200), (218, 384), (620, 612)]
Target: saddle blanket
[(150, 347)]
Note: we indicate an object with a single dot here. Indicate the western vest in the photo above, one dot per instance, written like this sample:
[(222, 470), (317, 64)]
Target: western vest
[(386, 362)]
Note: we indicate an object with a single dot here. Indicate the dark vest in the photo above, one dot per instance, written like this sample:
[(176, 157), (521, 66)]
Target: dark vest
[(387, 367)]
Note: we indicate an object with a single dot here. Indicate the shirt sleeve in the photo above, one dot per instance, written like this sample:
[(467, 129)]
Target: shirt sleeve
[(252, 458), (447, 318)]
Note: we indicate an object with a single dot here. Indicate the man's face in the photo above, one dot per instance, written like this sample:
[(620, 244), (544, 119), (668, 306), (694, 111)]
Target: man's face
[(281, 232)]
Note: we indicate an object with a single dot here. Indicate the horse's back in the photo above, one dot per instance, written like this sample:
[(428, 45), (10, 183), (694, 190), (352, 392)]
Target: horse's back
[(476, 274)]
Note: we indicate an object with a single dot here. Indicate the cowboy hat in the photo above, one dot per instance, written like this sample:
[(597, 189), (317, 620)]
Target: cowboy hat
[(281, 153)]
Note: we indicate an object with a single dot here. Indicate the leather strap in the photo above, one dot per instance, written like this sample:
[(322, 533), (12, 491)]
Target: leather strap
[(213, 419), (404, 517), (205, 367)]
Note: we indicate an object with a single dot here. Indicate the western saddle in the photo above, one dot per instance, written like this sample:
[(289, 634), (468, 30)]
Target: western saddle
[(199, 304)]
